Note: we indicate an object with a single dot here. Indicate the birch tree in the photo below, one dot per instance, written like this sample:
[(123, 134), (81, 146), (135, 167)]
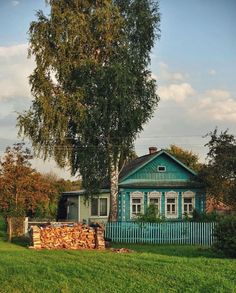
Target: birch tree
[(92, 87)]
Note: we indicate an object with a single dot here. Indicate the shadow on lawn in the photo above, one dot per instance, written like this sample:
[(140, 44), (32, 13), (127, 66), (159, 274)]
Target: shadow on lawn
[(21, 241), (171, 250)]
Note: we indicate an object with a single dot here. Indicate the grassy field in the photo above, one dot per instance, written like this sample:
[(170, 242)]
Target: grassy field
[(151, 268)]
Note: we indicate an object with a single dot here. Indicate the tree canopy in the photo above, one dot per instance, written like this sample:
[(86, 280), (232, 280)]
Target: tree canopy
[(22, 189), (190, 159), (219, 174), (92, 88)]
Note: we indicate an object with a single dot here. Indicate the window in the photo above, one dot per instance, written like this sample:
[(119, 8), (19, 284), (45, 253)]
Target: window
[(154, 198), (136, 203), (188, 202), (188, 205), (161, 168), (136, 206), (171, 204), (99, 207)]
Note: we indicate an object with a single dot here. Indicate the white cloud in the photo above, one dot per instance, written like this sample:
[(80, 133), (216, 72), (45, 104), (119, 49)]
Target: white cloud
[(14, 71), (15, 3), (212, 72), (217, 94), (15, 50), (215, 105), (168, 75), (176, 92)]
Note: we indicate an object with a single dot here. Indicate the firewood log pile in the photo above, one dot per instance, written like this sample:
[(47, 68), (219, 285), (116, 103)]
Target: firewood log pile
[(77, 236)]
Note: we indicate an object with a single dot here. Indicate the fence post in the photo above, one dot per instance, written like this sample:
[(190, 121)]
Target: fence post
[(26, 225)]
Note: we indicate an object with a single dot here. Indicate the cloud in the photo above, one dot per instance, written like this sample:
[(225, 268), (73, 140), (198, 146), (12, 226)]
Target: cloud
[(212, 72), (176, 92), (14, 71), (15, 50), (217, 105), (217, 94), (168, 75), (15, 3)]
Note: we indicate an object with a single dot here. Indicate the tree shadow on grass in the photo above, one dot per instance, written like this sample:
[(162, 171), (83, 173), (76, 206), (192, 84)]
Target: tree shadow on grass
[(21, 241), (172, 250)]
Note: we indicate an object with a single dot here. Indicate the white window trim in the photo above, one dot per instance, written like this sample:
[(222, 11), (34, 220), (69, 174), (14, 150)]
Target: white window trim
[(108, 208), (155, 194), (133, 195), (189, 194), (171, 194)]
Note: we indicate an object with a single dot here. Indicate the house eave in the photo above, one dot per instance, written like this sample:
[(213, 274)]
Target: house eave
[(82, 192), (156, 184)]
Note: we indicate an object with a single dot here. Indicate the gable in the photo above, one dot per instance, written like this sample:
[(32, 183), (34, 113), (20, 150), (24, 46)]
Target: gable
[(174, 171)]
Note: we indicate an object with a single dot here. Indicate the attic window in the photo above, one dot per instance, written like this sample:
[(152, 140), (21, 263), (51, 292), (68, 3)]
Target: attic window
[(161, 168)]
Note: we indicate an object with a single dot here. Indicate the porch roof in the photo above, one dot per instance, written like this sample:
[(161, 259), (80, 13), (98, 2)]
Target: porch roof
[(82, 192)]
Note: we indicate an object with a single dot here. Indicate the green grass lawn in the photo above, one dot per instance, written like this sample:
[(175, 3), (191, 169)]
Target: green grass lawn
[(151, 268)]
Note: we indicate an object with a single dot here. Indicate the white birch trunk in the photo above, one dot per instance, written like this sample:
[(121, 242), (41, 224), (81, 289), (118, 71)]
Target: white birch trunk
[(114, 180)]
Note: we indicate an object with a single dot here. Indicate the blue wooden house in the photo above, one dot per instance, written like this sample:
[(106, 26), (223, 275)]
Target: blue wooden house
[(157, 178)]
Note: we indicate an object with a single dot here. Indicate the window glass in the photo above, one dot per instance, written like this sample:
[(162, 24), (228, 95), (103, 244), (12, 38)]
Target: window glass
[(103, 206), (154, 201), (187, 200), (171, 206), (188, 205), (171, 200), (161, 168), (94, 207), (136, 200), (136, 206)]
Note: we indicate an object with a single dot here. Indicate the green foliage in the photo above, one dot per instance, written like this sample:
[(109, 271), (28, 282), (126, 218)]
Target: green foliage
[(225, 233), (204, 217), (92, 87), (219, 175), (188, 158), (151, 215), (22, 189)]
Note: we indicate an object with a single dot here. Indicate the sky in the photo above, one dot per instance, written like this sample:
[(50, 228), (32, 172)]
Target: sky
[(194, 63)]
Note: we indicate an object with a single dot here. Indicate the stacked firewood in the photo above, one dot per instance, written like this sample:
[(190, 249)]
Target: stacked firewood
[(67, 237), (100, 241)]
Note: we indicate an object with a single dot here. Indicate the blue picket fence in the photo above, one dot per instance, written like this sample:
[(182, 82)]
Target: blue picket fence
[(161, 233)]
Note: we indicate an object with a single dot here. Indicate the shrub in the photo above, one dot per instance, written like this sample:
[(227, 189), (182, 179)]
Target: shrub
[(225, 233), (151, 215), (205, 217)]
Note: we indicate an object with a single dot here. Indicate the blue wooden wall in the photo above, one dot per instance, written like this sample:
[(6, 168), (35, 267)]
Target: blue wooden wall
[(124, 201)]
